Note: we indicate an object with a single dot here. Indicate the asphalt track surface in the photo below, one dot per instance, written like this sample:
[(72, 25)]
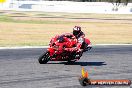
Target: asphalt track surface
[(19, 68)]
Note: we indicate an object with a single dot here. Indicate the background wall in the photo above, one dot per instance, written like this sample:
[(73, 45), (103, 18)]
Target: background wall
[(67, 6)]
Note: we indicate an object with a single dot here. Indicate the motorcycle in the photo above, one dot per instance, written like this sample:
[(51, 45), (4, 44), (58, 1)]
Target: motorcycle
[(62, 48)]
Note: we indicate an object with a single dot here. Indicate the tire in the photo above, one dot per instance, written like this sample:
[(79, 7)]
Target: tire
[(84, 81), (44, 58)]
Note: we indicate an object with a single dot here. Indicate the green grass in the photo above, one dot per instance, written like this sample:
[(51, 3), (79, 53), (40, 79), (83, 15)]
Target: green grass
[(84, 15), (30, 30), (10, 19), (5, 19), (31, 21)]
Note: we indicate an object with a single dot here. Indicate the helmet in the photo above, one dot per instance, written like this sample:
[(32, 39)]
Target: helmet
[(76, 30)]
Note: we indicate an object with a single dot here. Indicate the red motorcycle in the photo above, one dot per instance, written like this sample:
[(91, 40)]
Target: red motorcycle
[(63, 48)]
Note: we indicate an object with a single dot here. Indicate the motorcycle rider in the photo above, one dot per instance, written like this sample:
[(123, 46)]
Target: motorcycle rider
[(77, 32)]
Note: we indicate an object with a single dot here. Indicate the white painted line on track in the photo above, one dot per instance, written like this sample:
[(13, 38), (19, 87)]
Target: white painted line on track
[(112, 44), (23, 47), (29, 47)]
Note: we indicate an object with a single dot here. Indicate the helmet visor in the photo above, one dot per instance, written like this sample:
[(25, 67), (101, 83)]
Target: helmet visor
[(75, 32)]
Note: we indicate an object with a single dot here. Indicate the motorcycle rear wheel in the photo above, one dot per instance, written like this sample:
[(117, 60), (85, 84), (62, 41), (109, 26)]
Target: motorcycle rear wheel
[(44, 58)]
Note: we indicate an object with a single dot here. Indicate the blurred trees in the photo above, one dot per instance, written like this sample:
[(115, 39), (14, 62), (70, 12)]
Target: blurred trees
[(112, 1), (118, 2)]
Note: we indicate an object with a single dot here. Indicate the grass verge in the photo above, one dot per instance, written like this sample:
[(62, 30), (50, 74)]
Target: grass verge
[(30, 31)]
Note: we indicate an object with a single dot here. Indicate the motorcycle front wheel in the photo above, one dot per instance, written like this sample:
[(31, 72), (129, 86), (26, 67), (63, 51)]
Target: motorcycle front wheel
[(44, 58)]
